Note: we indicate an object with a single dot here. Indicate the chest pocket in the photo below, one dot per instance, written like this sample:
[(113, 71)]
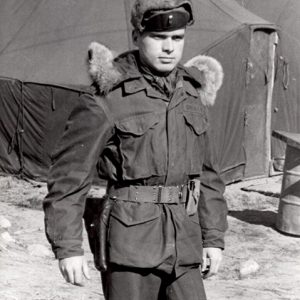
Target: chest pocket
[(196, 126), (196, 121), (136, 136), (137, 125)]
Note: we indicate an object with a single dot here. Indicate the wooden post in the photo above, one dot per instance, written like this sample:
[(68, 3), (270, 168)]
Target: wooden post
[(271, 78)]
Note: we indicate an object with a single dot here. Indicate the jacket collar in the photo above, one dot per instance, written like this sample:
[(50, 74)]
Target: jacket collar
[(134, 81), (202, 75)]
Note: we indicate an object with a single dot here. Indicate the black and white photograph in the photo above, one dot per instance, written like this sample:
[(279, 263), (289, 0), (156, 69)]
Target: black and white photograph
[(149, 149)]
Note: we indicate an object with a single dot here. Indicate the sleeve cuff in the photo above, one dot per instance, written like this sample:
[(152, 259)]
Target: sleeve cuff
[(213, 239), (67, 248)]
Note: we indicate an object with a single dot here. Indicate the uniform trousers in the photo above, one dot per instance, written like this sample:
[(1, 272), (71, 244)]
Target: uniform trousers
[(121, 283)]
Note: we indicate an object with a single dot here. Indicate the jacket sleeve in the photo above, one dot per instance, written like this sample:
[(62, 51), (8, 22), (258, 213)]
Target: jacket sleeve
[(71, 175), (212, 205)]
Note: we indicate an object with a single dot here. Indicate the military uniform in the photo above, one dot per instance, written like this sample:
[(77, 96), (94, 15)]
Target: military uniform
[(148, 144)]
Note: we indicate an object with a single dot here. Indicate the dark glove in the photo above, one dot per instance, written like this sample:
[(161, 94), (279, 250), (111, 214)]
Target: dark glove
[(96, 218)]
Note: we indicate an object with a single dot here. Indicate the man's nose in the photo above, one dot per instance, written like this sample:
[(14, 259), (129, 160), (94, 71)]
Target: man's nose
[(168, 45)]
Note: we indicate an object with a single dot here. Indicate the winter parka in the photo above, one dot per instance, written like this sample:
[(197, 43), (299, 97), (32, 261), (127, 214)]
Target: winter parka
[(133, 135)]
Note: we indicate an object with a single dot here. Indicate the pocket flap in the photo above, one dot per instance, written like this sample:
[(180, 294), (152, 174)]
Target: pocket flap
[(197, 121), (138, 125), (130, 213)]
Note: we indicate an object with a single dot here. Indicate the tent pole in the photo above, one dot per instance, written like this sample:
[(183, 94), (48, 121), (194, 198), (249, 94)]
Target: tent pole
[(128, 23), (273, 41)]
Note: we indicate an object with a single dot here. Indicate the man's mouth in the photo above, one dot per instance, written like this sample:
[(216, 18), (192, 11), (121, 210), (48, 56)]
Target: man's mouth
[(166, 59)]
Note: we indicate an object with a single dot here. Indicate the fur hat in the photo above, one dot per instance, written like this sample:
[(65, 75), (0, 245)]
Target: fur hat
[(140, 7)]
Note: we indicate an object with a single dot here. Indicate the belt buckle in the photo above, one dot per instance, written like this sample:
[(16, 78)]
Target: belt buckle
[(169, 194)]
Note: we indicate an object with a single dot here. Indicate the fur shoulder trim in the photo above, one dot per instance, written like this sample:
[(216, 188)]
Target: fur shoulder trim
[(211, 77), (101, 68)]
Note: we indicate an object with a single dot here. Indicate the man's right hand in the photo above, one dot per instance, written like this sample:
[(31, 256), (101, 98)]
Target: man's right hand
[(72, 269)]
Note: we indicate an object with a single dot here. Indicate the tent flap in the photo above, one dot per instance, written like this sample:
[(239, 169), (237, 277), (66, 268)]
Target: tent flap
[(33, 118)]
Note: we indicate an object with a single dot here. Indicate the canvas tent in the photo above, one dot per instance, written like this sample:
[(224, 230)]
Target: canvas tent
[(286, 94), (43, 50)]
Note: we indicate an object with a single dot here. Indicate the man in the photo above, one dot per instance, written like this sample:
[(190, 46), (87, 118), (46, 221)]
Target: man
[(145, 130)]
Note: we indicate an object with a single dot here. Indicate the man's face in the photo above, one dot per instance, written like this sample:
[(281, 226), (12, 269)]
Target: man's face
[(160, 51)]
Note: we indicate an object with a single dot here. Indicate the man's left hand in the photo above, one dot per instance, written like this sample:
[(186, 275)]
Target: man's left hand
[(212, 258)]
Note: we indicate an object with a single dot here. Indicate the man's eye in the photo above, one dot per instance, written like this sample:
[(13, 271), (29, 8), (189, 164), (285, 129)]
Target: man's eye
[(157, 37), (178, 38)]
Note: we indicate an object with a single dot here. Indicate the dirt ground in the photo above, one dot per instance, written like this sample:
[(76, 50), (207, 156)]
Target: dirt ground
[(28, 270)]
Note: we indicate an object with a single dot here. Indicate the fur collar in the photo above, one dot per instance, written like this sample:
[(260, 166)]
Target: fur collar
[(106, 73)]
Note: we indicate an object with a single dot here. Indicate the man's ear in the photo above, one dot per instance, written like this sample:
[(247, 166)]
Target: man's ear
[(135, 35)]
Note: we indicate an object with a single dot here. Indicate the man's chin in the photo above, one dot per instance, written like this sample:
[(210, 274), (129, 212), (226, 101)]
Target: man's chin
[(165, 68)]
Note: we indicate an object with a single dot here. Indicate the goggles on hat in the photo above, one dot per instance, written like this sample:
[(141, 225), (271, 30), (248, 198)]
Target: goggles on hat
[(165, 20)]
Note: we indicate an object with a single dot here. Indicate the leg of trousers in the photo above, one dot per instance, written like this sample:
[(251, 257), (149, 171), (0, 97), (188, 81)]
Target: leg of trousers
[(135, 284)]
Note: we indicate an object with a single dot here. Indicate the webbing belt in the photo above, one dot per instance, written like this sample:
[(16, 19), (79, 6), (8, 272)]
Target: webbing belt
[(156, 194)]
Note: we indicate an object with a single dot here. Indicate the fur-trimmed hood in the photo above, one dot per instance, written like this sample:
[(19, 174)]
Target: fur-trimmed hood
[(106, 73)]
